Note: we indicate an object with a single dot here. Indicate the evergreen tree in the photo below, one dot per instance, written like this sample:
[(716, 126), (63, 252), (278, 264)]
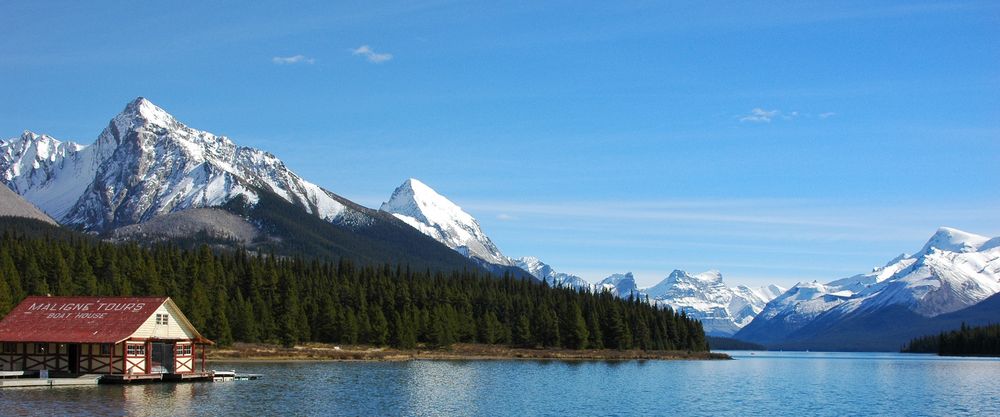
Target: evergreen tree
[(65, 284), (380, 329), (522, 332), (34, 278)]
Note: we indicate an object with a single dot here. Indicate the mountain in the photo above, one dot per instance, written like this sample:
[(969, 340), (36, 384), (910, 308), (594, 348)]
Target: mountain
[(544, 272), (147, 164), (953, 271), (434, 215), (13, 205), (722, 310), (622, 285)]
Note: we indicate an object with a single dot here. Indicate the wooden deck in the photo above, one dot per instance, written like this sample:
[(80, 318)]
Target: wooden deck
[(147, 378)]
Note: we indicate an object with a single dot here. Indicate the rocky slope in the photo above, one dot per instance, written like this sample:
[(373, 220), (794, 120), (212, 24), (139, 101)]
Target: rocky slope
[(13, 205)]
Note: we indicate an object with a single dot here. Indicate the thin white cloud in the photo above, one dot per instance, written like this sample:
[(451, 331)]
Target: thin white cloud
[(759, 115), (294, 59), (505, 217), (368, 53), (827, 115)]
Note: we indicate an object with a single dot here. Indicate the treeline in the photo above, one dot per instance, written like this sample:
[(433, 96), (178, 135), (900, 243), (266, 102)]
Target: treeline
[(966, 341), (237, 296)]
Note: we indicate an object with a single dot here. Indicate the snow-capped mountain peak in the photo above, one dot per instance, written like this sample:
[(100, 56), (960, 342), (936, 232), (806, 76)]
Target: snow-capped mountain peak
[(545, 273), (954, 240), (621, 284), (436, 216), (710, 276), (721, 309), (146, 163), (954, 270), (144, 110), (419, 201)]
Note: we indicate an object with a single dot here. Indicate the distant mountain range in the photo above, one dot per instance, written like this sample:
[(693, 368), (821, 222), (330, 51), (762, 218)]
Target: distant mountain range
[(943, 284), (149, 177), (146, 171), (722, 310)]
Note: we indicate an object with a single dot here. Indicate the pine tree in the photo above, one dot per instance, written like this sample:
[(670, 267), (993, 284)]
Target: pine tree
[(578, 333), (522, 332), (349, 327), (596, 339), (61, 276), (6, 301), (84, 274), (380, 329), (34, 278)]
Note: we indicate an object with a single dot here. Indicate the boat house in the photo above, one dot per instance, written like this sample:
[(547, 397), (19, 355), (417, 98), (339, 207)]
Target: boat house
[(129, 337)]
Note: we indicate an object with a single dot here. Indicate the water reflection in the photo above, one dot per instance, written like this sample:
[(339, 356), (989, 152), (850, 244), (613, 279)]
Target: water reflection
[(764, 384), (440, 388), (160, 399)]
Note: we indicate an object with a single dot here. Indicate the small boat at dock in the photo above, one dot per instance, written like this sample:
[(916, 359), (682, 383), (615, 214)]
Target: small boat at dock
[(223, 376)]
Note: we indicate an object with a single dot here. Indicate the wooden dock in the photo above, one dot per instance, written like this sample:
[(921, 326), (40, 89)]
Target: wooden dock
[(147, 378), (82, 380), (15, 379)]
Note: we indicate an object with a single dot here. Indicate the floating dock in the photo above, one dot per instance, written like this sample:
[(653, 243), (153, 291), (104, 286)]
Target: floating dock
[(18, 379), (82, 380)]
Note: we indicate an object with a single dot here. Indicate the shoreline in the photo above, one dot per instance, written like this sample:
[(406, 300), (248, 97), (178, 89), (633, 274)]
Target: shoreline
[(315, 352)]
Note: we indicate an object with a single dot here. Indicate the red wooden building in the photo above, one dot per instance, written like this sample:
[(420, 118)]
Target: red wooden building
[(128, 336)]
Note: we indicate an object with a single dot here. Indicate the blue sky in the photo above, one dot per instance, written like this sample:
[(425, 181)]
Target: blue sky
[(774, 141)]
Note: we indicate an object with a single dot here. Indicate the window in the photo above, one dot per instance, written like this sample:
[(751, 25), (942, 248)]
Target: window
[(106, 348), (161, 319), (9, 347), (136, 350), (42, 348), (183, 350)]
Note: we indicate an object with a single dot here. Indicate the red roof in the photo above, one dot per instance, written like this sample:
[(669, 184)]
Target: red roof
[(77, 319)]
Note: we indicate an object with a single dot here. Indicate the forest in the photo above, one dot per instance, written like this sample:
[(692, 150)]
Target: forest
[(966, 341), (257, 297)]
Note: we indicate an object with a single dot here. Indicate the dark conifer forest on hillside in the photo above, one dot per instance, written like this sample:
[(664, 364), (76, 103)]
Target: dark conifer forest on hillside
[(252, 297), (966, 341)]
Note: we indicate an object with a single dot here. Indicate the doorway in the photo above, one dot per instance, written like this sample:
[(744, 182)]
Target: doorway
[(162, 358), (73, 350)]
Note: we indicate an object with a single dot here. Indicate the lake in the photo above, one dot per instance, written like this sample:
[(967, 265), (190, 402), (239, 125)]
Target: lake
[(758, 383)]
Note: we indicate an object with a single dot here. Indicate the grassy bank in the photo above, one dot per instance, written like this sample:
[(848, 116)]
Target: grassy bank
[(326, 352)]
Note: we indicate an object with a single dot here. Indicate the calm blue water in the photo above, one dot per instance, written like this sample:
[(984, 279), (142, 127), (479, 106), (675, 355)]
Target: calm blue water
[(765, 383)]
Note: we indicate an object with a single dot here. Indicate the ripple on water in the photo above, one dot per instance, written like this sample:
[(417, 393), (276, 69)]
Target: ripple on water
[(767, 383)]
